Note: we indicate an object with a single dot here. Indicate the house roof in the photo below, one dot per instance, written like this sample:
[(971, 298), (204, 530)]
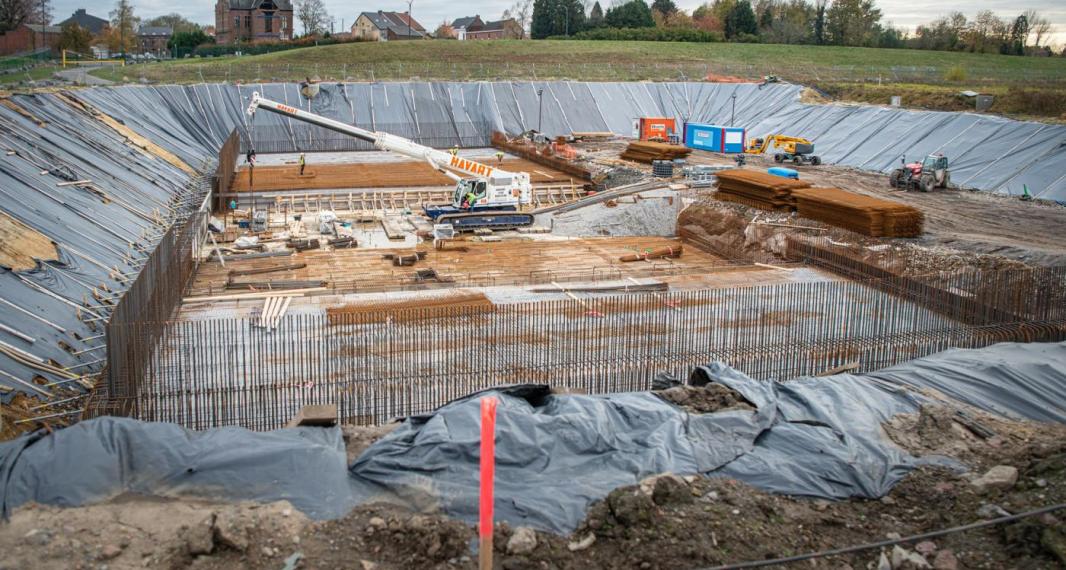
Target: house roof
[(88, 21), (253, 4), (165, 31), (461, 23), (395, 22), (497, 25), (404, 19), (44, 29)]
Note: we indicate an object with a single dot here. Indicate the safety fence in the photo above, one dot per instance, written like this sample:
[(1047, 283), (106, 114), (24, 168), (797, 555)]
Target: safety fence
[(312, 138), (377, 366), (153, 296)]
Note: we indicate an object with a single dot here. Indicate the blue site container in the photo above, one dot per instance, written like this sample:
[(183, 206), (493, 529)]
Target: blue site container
[(714, 138)]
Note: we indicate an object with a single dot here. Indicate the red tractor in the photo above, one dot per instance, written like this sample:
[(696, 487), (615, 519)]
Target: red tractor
[(926, 175)]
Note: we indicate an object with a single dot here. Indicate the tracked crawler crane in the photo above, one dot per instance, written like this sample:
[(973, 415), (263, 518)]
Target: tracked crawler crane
[(498, 194)]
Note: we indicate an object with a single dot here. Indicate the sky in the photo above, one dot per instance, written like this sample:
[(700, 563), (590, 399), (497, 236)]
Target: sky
[(902, 13)]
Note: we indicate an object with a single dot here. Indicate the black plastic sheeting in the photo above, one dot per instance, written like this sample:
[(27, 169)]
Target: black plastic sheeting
[(1014, 380), (558, 454), (815, 437), (98, 459)]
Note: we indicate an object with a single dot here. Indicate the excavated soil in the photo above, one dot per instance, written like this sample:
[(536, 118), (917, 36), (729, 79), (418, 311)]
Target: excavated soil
[(705, 400), (667, 522), (965, 221), (962, 228)]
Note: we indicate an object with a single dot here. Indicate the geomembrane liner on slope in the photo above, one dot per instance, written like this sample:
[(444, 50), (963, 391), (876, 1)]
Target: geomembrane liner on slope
[(815, 437), (101, 229), (986, 152)]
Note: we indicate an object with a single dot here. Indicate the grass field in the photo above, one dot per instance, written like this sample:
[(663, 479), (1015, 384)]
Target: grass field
[(35, 74), (603, 60), (1024, 86)]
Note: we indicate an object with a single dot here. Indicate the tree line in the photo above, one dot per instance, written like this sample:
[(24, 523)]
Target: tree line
[(818, 22), (120, 36)]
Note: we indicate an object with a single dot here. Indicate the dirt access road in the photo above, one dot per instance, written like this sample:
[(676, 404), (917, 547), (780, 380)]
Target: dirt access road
[(969, 221)]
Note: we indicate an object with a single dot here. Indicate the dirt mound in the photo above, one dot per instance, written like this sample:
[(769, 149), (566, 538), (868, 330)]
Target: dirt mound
[(705, 400), (718, 229)]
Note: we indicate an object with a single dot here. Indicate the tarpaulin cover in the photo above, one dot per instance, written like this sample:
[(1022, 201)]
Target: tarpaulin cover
[(1015, 380), (98, 459), (816, 437), (556, 455)]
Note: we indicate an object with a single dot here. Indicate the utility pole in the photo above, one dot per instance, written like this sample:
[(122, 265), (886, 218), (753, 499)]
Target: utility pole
[(410, 5), (540, 112)]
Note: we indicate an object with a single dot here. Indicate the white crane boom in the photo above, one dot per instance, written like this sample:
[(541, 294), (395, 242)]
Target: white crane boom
[(494, 187)]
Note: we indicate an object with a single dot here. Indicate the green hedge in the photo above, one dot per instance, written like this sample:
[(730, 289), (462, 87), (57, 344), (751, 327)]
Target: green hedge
[(646, 35)]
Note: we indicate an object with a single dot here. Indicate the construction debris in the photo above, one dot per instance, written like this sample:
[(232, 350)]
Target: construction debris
[(303, 244), (862, 214), (758, 189), (343, 242), (646, 151), (661, 253)]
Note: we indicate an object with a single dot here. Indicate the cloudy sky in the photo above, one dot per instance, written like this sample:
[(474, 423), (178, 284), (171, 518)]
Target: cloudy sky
[(902, 13)]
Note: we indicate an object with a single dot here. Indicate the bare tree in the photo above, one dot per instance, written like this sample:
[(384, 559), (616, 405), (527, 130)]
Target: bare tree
[(39, 12), (521, 12), (1039, 26), (312, 15), (13, 13)]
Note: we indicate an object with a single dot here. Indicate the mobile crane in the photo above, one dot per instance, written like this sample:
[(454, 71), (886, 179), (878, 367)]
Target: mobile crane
[(497, 194), (792, 149)]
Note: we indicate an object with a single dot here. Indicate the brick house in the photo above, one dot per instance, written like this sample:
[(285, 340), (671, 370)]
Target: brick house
[(96, 26), (252, 21), (387, 26), (508, 29), (461, 26), (29, 38), (154, 40)]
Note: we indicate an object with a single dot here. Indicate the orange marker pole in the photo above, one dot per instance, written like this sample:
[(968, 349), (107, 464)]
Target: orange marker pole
[(488, 470)]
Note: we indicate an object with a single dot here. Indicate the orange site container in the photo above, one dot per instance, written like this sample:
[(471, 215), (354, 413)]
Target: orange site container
[(658, 128)]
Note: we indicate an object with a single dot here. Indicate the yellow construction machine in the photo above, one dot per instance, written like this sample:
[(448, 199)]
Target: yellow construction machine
[(786, 149)]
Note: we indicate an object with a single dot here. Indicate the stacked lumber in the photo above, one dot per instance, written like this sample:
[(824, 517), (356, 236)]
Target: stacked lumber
[(758, 189), (646, 151), (861, 214)]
